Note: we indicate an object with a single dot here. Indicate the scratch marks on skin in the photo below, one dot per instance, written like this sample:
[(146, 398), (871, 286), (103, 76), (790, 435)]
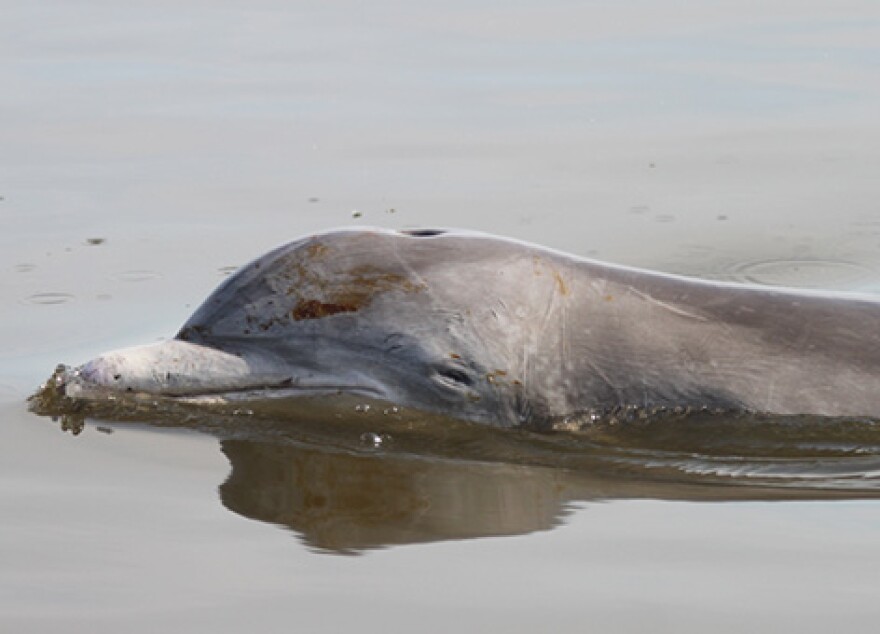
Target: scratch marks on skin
[(670, 307), (551, 336), (563, 330), (421, 284), (597, 368), (539, 267)]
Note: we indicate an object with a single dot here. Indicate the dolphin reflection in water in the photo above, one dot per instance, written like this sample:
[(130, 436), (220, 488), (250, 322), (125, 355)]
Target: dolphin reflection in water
[(346, 482), (347, 502)]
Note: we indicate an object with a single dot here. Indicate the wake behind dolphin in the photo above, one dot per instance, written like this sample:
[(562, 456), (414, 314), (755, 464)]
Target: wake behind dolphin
[(502, 332)]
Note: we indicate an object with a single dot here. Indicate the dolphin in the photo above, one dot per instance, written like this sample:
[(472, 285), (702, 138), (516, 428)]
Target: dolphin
[(503, 332)]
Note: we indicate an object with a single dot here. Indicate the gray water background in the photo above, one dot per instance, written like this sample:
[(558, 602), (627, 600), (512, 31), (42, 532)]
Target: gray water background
[(148, 148)]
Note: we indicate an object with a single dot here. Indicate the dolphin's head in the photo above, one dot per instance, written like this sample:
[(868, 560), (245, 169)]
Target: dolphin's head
[(384, 314)]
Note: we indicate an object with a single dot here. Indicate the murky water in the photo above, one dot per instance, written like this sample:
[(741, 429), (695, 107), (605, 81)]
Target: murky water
[(149, 149)]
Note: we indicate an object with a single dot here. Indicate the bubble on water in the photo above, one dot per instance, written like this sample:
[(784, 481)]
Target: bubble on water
[(362, 408), (391, 410), (47, 299)]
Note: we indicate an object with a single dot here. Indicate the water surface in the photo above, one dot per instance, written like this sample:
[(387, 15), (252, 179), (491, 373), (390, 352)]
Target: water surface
[(150, 148)]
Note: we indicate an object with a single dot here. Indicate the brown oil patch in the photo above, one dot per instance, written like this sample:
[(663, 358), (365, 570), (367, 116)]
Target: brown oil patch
[(313, 309), (539, 270), (452, 355), (373, 278), (608, 298), (536, 263), (318, 296), (560, 283), (316, 250), (496, 376)]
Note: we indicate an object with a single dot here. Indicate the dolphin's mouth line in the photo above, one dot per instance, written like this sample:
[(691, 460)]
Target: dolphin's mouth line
[(277, 392)]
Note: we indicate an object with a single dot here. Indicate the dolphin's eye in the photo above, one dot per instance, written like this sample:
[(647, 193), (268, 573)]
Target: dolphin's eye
[(455, 376), (422, 233)]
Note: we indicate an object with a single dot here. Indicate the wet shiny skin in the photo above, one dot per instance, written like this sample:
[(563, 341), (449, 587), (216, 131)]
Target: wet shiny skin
[(499, 331)]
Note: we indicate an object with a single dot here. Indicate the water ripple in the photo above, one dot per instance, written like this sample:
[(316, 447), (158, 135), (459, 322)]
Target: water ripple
[(802, 273), (49, 298), (137, 276)]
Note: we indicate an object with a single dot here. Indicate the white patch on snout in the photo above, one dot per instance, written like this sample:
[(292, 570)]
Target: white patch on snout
[(171, 367)]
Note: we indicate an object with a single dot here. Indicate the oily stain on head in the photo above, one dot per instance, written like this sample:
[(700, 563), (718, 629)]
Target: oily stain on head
[(344, 291)]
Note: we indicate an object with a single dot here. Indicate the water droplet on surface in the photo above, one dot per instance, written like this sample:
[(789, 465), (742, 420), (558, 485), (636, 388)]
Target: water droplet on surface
[(24, 268), (227, 270), (95, 241), (375, 441), (356, 214)]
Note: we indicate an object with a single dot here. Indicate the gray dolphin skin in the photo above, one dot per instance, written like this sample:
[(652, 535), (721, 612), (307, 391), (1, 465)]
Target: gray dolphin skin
[(503, 332)]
